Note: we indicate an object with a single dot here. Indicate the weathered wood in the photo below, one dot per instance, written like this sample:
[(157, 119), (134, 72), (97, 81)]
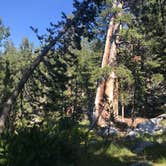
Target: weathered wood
[(101, 87), (122, 102), (116, 99), (107, 48), (107, 87)]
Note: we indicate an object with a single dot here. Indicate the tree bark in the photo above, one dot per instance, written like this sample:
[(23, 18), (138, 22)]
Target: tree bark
[(101, 87), (107, 48), (106, 87), (111, 90), (116, 99), (12, 99), (122, 103), (112, 82)]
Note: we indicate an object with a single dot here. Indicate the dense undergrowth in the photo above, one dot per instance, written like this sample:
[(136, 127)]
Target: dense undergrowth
[(68, 144)]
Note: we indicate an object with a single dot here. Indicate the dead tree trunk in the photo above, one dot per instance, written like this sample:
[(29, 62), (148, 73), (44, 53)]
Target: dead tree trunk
[(12, 99), (101, 87), (112, 82), (107, 87), (116, 98), (122, 103)]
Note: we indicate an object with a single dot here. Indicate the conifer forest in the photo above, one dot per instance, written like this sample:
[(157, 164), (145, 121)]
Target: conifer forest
[(92, 94)]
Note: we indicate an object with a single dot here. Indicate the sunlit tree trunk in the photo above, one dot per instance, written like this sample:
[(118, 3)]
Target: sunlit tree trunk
[(116, 98), (122, 103), (101, 86), (107, 86), (112, 82)]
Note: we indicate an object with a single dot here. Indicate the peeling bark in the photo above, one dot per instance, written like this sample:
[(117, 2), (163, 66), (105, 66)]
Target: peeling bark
[(101, 87), (107, 44), (122, 101), (111, 90), (116, 98), (107, 87)]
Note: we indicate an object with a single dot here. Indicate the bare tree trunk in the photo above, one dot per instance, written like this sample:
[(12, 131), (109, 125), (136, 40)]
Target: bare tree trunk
[(101, 87), (108, 43), (116, 98), (122, 103), (106, 87), (12, 99), (112, 82)]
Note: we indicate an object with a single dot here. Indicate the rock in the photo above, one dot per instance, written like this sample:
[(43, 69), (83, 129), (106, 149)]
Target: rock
[(152, 126), (106, 131), (111, 131), (132, 134), (146, 127)]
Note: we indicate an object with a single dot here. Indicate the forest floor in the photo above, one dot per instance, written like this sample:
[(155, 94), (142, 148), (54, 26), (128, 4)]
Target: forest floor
[(121, 150)]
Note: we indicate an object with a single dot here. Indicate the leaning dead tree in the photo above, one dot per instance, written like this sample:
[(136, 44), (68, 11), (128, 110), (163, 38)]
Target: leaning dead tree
[(107, 91), (12, 99), (69, 31)]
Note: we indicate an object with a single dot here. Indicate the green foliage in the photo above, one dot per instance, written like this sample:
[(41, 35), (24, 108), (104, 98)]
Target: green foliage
[(141, 50), (130, 34), (4, 32), (153, 64), (156, 79), (37, 146), (82, 72), (103, 73), (65, 142), (120, 151), (124, 74), (40, 130)]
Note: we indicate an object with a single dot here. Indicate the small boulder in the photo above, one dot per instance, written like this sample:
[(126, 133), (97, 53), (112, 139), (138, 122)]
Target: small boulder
[(107, 131), (153, 125)]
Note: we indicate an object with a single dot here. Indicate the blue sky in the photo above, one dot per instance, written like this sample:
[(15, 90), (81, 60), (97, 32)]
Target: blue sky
[(19, 15)]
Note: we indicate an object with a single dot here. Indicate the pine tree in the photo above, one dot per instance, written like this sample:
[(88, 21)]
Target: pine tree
[(4, 32), (69, 29)]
